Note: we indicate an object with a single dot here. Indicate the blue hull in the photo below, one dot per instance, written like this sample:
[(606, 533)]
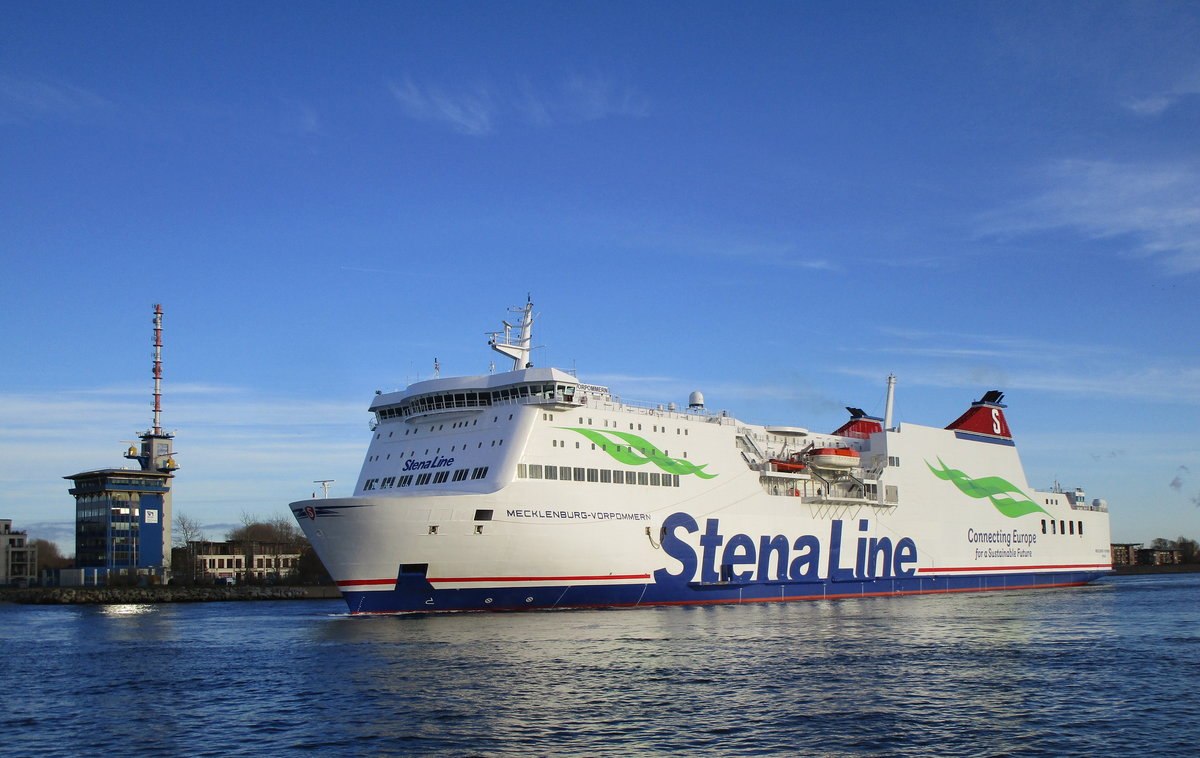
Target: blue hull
[(413, 595)]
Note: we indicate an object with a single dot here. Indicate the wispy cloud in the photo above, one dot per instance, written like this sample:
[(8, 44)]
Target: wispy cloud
[(576, 99), (1155, 384), (24, 99), (921, 343), (178, 389), (239, 450), (480, 109), (300, 118), (955, 360), (1157, 103), (1152, 105), (1151, 207), (469, 113)]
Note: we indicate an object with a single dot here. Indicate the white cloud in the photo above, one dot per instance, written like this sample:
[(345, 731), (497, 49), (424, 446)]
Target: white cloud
[(469, 113), (30, 99), (300, 118), (1150, 106), (915, 342), (1153, 383), (1157, 103), (1153, 208), (237, 450), (478, 111)]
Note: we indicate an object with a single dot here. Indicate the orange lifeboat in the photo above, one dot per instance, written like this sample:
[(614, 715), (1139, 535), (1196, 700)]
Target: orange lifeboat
[(833, 458), (787, 467)]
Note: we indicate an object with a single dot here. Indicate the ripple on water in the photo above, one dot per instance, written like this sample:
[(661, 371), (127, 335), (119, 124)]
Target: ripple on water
[(1097, 670)]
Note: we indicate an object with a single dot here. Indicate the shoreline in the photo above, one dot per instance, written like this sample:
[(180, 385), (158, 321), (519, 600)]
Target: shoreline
[(168, 594), (1174, 568)]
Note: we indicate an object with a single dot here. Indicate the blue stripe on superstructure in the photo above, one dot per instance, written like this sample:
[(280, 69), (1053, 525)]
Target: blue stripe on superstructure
[(419, 596), (984, 438)]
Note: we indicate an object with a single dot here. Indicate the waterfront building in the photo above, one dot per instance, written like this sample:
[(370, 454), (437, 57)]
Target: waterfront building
[(1125, 553), (18, 558), (239, 560), (122, 521), (1153, 556)]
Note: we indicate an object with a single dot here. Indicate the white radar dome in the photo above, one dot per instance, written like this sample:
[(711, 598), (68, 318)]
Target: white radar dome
[(696, 400)]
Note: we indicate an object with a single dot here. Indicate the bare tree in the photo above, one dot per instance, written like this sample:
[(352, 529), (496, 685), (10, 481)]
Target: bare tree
[(276, 535), (1189, 549), (185, 529), (48, 556), (186, 532)]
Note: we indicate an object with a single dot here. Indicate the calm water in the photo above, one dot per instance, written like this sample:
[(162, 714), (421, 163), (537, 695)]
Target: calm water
[(1102, 670)]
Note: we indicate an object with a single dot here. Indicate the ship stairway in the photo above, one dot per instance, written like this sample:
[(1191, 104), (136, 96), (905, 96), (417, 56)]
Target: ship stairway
[(749, 448)]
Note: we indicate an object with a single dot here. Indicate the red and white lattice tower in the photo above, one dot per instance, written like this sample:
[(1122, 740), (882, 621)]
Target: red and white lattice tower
[(158, 314)]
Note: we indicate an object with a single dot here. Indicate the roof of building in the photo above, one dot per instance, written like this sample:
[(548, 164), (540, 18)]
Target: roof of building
[(120, 472)]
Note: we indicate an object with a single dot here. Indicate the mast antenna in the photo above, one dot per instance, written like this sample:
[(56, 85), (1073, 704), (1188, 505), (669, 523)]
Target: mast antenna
[(520, 346), (158, 314), (891, 398)]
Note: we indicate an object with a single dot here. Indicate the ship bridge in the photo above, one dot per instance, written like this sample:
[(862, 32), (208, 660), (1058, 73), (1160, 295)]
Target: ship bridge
[(537, 386)]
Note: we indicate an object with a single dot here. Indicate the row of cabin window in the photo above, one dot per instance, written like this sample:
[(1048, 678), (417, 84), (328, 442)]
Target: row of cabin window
[(657, 428), (419, 480), (456, 425), (619, 448), (1063, 526), (438, 451), (603, 475)]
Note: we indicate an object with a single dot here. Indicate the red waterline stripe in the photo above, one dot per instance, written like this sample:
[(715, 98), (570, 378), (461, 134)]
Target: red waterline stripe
[(536, 578), (932, 570)]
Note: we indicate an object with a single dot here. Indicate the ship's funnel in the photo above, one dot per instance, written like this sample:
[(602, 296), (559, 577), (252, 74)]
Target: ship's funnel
[(984, 420)]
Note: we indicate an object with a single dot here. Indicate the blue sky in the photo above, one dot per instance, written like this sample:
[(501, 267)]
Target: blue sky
[(775, 203)]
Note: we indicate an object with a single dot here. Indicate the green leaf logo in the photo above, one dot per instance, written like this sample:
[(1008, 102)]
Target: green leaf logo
[(636, 451), (1006, 496)]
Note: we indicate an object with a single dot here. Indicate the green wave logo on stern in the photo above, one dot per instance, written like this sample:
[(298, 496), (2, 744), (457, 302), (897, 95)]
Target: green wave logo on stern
[(633, 450), (1006, 496)]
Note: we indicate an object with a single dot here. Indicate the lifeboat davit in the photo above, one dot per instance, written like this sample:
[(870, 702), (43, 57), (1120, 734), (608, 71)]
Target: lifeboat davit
[(833, 458)]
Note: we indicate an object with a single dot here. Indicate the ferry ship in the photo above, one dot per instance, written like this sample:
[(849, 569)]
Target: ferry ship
[(532, 489)]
